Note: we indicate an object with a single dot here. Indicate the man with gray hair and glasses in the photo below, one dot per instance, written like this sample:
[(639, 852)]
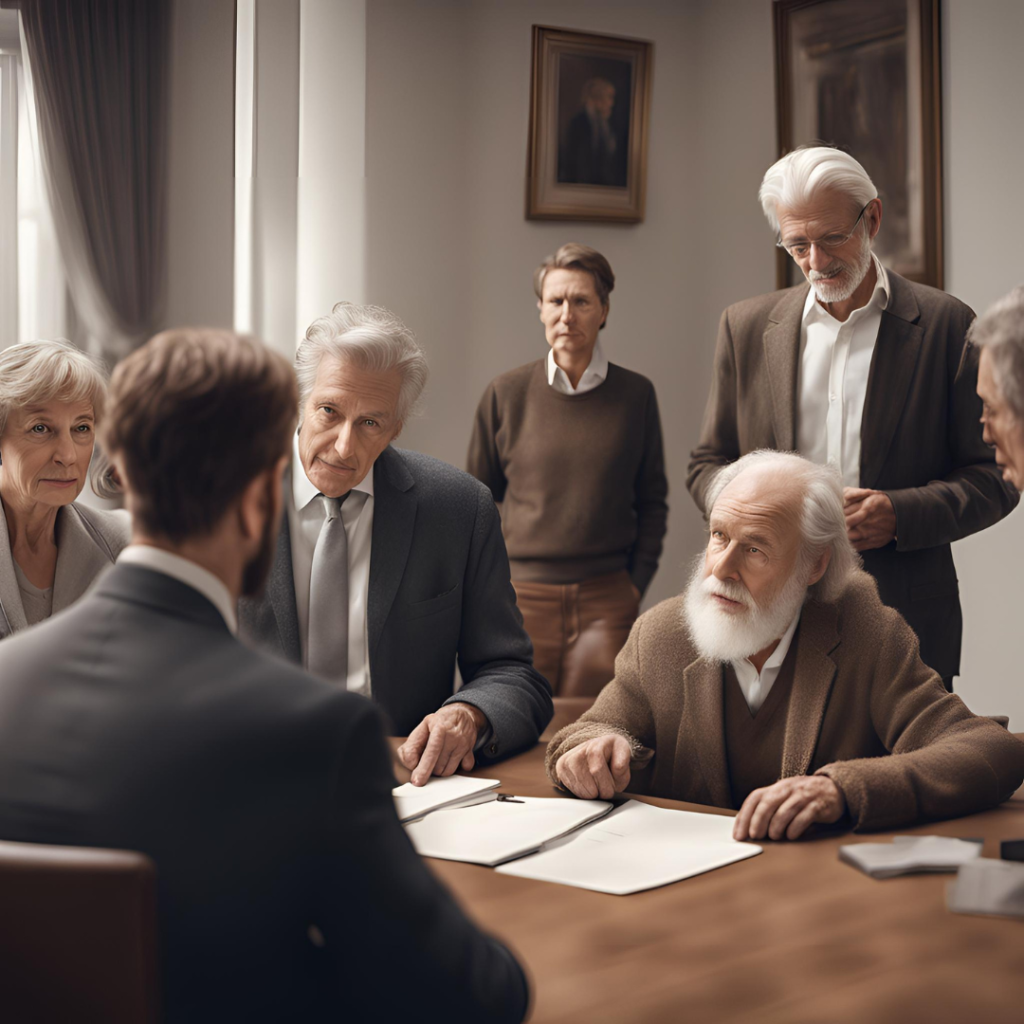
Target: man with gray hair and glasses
[(1000, 336), (780, 684), (390, 565), (867, 371)]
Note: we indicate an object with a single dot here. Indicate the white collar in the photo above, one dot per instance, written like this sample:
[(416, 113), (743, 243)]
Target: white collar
[(778, 656), (303, 491), (596, 370), (879, 296), (187, 572)]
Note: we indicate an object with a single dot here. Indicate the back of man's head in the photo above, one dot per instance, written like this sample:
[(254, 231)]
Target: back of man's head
[(193, 417)]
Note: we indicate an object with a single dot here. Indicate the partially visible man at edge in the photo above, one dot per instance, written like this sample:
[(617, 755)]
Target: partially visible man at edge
[(390, 565), (287, 889), (779, 684), (871, 372)]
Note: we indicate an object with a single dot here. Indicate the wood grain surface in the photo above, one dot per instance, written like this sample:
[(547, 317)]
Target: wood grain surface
[(792, 936)]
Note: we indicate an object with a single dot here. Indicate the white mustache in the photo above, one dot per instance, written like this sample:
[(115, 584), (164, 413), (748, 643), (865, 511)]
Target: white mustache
[(728, 589)]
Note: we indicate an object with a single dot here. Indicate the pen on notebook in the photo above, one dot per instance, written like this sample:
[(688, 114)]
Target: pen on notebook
[(509, 798)]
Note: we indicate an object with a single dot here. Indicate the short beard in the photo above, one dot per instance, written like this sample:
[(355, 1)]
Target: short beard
[(722, 636), (841, 279)]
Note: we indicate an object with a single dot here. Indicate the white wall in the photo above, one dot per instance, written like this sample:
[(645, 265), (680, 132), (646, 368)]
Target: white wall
[(984, 154)]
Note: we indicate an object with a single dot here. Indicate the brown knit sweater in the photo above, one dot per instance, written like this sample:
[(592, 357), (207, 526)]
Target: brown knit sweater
[(863, 709), (580, 478)]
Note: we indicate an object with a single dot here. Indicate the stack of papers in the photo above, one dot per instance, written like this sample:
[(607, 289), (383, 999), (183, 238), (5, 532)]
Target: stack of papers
[(985, 886), (636, 847), (501, 830), (910, 854), (413, 802)]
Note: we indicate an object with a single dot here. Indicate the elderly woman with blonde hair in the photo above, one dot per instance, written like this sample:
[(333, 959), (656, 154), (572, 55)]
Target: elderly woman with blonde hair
[(51, 548)]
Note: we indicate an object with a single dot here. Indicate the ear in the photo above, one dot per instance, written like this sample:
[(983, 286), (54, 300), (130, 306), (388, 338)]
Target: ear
[(604, 318), (257, 501), (398, 431), (819, 567), (873, 215)]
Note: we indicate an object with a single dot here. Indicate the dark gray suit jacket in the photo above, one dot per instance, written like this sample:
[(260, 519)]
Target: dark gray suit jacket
[(135, 720), (920, 438), (439, 589)]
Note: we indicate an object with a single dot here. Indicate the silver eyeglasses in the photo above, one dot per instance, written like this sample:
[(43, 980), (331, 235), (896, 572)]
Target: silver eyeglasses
[(802, 246)]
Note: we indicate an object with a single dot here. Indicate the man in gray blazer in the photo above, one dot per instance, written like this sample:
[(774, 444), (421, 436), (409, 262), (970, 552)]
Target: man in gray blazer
[(287, 889), (390, 565), (872, 373)]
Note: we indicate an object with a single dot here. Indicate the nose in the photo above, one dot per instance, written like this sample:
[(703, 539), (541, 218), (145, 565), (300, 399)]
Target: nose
[(65, 453), (725, 565), (986, 434), (819, 258), (343, 442), (567, 313)]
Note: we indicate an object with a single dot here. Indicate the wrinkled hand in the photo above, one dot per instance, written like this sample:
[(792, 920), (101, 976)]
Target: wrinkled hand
[(785, 810), (870, 518), (443, 742), (596, 769)]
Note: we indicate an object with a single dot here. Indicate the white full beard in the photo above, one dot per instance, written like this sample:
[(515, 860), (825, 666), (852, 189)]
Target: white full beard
[(842, 285), (724, 636)]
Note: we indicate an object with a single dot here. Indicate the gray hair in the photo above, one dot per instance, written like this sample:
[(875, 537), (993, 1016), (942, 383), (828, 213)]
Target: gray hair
[(1001, 331), (33, 372), (373, 339), (823, 523), (793, 180)]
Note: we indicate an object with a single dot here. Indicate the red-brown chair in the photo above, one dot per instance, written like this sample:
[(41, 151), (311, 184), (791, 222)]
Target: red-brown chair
[(77, 936)]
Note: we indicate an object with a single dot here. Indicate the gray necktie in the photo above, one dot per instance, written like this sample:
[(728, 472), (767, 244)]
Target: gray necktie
[(328, 597)]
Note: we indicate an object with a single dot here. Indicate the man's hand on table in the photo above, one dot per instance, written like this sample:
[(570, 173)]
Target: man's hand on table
[(597, 769), (787, 809), (443, 742)]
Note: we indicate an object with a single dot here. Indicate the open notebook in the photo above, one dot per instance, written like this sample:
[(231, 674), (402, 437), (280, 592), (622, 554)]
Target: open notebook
[(413, 802)]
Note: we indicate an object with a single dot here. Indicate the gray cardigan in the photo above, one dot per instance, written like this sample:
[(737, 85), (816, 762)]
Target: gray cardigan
[(88, 542)]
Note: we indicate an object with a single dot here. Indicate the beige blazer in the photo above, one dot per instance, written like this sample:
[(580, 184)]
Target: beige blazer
[(88, 542), (864, 710), (920, 438)]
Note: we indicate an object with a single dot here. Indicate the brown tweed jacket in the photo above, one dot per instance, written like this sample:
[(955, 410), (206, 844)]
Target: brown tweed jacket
[(864, 710), (920, 438)]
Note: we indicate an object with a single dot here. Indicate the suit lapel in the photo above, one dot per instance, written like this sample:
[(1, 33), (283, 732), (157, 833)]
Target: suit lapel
[(892, 369), (781, 353), (394, 515), (79, 559), (702, 727), (813, 675)]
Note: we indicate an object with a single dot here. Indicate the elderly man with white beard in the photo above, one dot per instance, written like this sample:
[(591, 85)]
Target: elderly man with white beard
[(779, 683)]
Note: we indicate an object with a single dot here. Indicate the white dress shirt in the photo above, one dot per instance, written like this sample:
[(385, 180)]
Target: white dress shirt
[(593, 375), (192, 575), (305, 518), (835, 360), (755, 685)]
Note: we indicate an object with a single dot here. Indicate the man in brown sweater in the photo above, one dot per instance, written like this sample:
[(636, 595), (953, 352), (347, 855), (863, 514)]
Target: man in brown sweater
[(779, 683)]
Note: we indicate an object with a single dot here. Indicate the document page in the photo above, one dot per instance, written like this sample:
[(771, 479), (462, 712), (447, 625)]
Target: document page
[(636, 847), (415, 801), (501, 830)]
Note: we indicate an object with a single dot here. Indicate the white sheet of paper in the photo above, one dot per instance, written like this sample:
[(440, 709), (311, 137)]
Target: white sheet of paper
[(501, 830), (909, 854), (415, 801), (636, 847)]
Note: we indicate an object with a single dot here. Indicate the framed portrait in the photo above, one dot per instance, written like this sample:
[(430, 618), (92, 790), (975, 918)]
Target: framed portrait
[(864, 75), (590, 97)]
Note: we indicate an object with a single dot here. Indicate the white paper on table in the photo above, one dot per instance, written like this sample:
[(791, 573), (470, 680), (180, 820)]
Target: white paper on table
[(909, 854), (636, 847), (415, 801), (501, 830), (988, 886)]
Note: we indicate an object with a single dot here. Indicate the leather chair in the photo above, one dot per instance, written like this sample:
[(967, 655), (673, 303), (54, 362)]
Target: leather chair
[(77, 935)]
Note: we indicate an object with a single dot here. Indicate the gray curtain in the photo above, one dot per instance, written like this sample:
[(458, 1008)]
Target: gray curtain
[(99, 77)]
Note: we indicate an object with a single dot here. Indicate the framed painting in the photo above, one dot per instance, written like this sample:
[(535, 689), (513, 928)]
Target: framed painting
[(864, 75), (590, 99)]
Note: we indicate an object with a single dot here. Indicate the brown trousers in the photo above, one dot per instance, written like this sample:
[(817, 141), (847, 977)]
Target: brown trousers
[(577, 629)]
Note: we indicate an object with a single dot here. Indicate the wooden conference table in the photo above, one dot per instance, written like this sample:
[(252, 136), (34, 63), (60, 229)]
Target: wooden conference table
[(792, 936)]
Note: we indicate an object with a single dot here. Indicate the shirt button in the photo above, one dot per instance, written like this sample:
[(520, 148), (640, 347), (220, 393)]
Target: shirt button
[(831, 398)]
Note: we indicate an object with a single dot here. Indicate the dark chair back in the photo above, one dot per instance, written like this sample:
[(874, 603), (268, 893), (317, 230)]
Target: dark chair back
[(77, 935)]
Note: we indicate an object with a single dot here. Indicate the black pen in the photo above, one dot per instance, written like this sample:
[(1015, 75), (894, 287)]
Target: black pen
[(509, 798)]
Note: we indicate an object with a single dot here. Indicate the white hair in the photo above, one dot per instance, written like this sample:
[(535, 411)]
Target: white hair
[(373, 339), (822, 521), (1001, 331), (794, 180)]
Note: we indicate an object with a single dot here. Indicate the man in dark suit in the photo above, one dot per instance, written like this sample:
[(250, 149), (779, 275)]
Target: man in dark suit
[(591, 153), (287, 888), (391, 565), (872, 373)]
